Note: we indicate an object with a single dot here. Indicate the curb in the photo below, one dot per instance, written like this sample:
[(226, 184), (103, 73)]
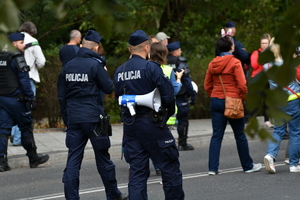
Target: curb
[(21, 161)]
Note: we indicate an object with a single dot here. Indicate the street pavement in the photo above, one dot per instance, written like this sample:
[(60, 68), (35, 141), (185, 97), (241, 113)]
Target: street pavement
[(52, 142)]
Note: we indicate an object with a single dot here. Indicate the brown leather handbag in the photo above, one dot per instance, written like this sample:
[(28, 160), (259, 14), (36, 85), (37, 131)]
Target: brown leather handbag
[(234, 108)]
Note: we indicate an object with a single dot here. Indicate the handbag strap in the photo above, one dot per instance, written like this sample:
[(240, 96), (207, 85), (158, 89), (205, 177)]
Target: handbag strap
[(222, 84)]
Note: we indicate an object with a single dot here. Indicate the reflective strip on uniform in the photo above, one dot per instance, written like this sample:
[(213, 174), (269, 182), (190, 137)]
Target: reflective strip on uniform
[(167, 70), (293, 97), (172, 119)]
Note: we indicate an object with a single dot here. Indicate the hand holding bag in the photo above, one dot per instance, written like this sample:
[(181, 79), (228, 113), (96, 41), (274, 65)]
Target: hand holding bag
[(234, 108)]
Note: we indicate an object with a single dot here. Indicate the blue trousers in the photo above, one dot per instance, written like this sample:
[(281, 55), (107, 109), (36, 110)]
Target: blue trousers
[(14, 112), (183, 119), (76, 139), (144, 140), (219, 122), (292, 109)]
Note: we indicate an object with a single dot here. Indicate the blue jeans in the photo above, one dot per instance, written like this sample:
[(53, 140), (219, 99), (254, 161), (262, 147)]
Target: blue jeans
[(292, 109), (15, 131), (219, 122), (33, 88)]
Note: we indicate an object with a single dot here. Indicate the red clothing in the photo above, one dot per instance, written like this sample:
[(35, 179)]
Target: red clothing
[(232, 74), (298, 73), (254, 62)]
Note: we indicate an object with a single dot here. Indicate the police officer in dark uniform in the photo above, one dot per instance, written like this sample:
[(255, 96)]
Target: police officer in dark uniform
[(146, 133), (16, 103), (182, 98), (79, 85)]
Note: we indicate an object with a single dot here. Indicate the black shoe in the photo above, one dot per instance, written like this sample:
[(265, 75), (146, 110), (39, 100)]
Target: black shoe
[(11, 138), (122, 197), (186, 147), (37, 160), (158, 172), (4, 167)]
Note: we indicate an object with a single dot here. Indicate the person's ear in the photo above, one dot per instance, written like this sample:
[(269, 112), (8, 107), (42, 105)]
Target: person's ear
[(96, 48), (14, 44)]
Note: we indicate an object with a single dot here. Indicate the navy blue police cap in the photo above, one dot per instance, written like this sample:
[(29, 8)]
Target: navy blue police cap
[(92, 35), (16, 37), (138, 37), (229, 25), (173, 46)]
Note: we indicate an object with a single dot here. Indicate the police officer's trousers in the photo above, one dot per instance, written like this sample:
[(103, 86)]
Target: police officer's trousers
[(144, 140), (77, 137), (14, 112), (183, 119)]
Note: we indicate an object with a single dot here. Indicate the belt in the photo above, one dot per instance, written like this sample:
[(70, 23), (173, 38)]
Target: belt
[(293, 97)]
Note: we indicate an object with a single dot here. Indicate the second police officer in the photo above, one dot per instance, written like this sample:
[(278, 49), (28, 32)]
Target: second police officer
[(79, 85), (16, 103), (182, 98), (145, 135)]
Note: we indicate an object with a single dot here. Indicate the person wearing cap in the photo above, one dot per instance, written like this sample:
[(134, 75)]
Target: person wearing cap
[(162, 37), (69, 51), (80, 83), (16, 102), (178, 63), (239, 50), (146, 135)]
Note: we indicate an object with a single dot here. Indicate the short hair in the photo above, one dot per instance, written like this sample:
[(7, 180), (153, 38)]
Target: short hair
[(74, 34), (139, 47), (158, 53), (89, 44), (224, 43), (28, 27)]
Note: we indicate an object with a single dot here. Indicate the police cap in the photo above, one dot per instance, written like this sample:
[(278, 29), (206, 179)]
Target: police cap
[(229, 25), (16, 37), (92, 35), (173, 46), (137, 37)]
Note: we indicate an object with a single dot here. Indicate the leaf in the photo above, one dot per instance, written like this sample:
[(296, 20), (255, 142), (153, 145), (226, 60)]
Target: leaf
[(9, 16), (21, 4)]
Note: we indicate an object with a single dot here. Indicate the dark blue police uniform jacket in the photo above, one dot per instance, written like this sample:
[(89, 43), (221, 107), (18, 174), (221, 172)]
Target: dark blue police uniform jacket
[(139, 77), (144, 139), (79, 85)]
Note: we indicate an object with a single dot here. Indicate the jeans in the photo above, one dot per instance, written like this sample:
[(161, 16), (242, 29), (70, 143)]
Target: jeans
[(219, 122), (292, 109), (15, 131), (33, 88)]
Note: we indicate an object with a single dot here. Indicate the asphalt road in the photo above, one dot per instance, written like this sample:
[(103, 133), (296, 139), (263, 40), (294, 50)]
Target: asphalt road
[(233, 184)]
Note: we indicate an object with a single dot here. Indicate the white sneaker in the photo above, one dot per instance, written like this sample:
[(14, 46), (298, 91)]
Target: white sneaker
[(269, 164), (255, 168), (287, 161), (214, 172), (295, 168), (269, 124)]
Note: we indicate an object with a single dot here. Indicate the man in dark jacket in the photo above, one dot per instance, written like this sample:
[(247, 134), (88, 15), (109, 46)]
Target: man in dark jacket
[(79, 85), (16, 102), (146, 135), (239, 50), (182, 98)]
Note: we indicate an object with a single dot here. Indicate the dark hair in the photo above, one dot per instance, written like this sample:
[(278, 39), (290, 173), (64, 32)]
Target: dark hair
[(158, 53), (224, 43), (28, 27)]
